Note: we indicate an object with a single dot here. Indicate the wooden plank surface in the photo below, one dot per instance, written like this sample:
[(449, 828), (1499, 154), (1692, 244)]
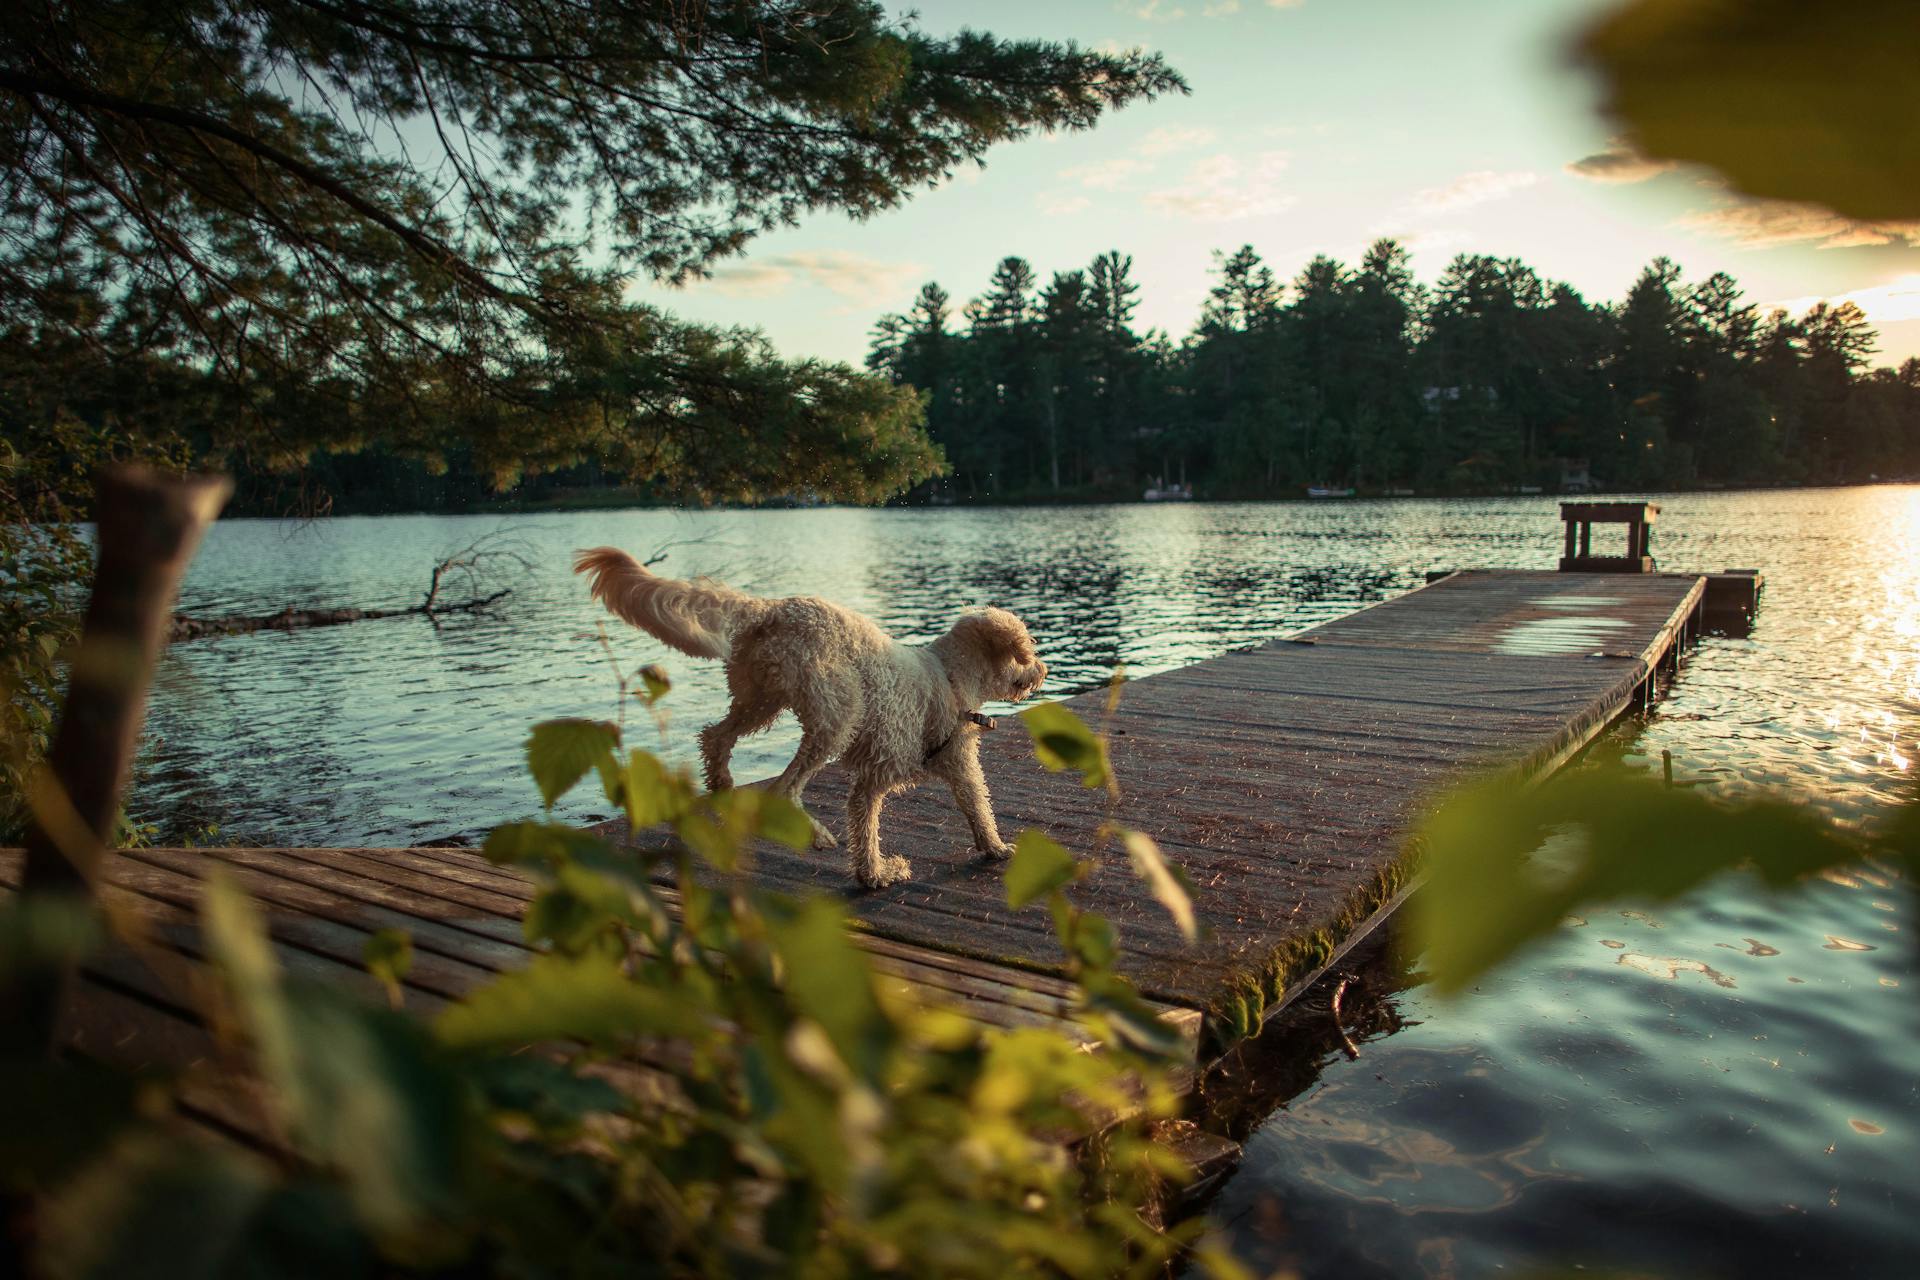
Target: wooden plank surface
[(1281, 778), (322, 905)]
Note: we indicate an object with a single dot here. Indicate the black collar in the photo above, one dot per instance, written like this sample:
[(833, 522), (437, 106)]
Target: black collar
[(971, 717)]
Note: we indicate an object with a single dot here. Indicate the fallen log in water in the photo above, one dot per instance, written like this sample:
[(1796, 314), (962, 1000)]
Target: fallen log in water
[(290, 619), (485, 557)]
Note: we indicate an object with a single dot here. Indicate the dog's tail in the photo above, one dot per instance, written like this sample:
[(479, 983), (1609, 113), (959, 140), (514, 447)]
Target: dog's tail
[(698, 617)]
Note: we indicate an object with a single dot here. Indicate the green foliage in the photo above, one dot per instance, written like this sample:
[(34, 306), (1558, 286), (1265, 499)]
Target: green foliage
[(1488, 378), (561, 752), (1818, 93), (1165, 881), (1062, 742), (388, 956), (160, 1208), (1038, 867), (361, 1092), (689, 1078), (586, 997), (46, 467), (1506, 864)]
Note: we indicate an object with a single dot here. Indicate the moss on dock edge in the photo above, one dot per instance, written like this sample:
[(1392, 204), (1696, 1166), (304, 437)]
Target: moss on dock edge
[(1242, 1010)]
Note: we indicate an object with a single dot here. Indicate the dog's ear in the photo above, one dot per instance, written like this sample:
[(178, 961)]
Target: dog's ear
[(995, 633)]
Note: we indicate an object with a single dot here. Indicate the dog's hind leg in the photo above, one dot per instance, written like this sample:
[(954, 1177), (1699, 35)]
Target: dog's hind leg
[(717, 739), (818, 749)]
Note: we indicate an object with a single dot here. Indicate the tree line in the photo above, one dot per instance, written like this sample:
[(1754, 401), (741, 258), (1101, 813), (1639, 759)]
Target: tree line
[(1493, 377)]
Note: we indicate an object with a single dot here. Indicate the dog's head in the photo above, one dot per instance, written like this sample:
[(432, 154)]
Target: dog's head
[(1002, 652)]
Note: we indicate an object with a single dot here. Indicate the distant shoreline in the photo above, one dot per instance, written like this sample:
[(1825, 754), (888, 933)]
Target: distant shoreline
[(624, 500)]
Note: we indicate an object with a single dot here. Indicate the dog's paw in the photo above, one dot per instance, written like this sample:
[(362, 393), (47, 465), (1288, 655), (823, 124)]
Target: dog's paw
[(891, 869), (823, 838), (996, 852)]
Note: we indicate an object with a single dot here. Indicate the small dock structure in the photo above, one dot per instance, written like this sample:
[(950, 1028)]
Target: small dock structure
[(1282, 778), (1580, 517)]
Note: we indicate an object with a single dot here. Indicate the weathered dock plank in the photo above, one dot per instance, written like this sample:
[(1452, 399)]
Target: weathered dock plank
[(1282, 778)]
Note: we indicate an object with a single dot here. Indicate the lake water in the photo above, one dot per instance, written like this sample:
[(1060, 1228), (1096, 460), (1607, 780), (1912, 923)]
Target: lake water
[(1727, 1087)]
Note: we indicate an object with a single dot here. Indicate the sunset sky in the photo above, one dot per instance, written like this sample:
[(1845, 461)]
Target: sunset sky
[(1313, 127)]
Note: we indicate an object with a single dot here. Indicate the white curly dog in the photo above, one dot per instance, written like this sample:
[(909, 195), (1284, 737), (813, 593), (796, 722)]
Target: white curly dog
[(894, 713)]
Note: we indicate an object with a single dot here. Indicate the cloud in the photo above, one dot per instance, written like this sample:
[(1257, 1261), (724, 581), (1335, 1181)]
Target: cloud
[(1428, 239), (855, 277), (1167, 11), (1891, 303), (1055, 204), (1470, 189), (1618, 163), (1768, 224), (1105, 175), (1285, 4), (1221, 188), (1164, 141)]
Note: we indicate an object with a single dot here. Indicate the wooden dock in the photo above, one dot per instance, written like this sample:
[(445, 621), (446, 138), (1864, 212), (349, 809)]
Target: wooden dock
[(1282, 778)]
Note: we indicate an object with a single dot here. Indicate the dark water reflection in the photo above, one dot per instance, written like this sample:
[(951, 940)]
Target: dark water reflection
[(1728, 1086)]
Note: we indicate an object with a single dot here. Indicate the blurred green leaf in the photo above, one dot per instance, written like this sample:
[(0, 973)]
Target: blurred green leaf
[(563, 998), (1621, 836), (388, 956), (47, 930), (785, 822), (156, 1208), (550, 843), (654, 684), (720, 826), (360, 1090), (552, 1094), (561, 752), (1038, 866), (1786, 100), (1114, 1009), (1166, 882), (56, 1115), (650, 792), (1093, 940), (1062, 741), (830, 980), (170, 1210), (581, 911)]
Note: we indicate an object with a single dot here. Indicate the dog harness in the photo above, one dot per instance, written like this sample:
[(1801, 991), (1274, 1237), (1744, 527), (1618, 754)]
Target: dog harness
[(972, 717)]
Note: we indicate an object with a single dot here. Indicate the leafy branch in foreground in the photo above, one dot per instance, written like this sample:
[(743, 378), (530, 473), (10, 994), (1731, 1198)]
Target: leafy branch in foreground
[(296, 226), (689, 1078), (1818, 94), (1506, 863)]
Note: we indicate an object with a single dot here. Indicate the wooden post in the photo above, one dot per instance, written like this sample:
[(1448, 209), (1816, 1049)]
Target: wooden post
[(149, 527)]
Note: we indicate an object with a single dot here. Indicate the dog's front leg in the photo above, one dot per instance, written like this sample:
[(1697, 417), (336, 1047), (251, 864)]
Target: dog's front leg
[(969, 787), (871, 868)]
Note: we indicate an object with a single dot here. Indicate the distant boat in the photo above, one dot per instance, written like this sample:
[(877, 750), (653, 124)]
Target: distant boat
[(1168, 493), (1323, 491)]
